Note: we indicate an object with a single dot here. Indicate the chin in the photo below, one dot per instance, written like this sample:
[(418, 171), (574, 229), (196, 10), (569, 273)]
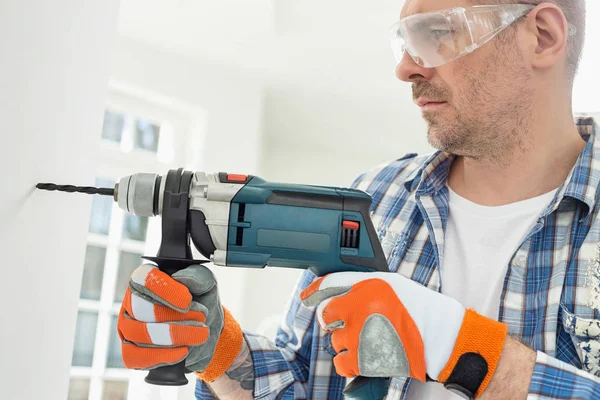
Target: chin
[(447, 140)]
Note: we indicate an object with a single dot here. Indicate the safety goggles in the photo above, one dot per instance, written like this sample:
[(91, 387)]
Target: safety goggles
[(439, 37)]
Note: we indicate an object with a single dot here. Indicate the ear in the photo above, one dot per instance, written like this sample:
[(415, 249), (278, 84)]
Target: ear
[(551, 30)]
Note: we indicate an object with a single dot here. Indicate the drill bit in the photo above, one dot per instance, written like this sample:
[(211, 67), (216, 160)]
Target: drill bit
[(78, 189)]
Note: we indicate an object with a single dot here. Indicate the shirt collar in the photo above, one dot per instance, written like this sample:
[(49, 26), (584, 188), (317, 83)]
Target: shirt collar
[(584, 178), (432, 175), (581, 183)]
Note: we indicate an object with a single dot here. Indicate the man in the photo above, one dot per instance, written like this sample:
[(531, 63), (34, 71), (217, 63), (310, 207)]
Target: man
[(493, 240)]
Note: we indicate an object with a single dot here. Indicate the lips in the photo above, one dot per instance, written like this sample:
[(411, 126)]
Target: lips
[(425, 102)]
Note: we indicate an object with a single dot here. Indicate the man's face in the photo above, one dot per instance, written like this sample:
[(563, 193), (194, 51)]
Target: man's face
[(475, 102)]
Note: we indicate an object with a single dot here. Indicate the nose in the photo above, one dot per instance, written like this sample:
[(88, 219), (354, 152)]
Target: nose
[(409, 71)]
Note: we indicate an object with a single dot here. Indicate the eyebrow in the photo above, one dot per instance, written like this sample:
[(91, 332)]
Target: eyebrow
[(423, 25)]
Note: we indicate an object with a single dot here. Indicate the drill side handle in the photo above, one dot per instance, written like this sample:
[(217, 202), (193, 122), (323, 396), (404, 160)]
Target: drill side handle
[(170, 375), (173, 255)]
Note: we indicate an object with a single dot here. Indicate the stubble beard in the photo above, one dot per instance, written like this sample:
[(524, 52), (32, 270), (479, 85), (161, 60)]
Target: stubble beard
[(497, 129), (449, 135)]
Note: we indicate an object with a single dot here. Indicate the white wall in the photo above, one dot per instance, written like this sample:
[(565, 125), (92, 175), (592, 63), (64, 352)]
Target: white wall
[(53, 80), (587, 83), (323, 135)]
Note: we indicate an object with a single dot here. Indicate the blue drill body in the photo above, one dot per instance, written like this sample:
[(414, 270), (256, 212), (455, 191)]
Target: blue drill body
[(300, 226)]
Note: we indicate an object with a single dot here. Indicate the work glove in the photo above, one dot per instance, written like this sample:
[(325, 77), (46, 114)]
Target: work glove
[(385, 325), (166, 319)]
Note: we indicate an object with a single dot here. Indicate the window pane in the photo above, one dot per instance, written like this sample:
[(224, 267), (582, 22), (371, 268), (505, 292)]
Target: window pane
[(78, 389), (112, 129), (115, 390), (93, 269), (114, 360), (85, 336), (101, 209), (128, 262), (146, 135), (135, 227)]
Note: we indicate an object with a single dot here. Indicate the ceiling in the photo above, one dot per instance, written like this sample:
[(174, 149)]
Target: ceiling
[(334, 41)]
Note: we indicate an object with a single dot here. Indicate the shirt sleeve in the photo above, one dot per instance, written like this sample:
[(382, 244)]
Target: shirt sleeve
[(284, 367), (554, 379)]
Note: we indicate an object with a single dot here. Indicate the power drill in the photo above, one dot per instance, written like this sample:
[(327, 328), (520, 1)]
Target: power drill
[(244, 221)]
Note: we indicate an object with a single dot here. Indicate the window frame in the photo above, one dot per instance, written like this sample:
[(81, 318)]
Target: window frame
[(113, 161)]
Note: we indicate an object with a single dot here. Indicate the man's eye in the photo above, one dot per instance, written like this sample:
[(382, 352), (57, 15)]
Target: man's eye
[(440, 33)]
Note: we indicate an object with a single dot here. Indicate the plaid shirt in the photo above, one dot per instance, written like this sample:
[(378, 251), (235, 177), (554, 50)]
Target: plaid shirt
[(550, 299)]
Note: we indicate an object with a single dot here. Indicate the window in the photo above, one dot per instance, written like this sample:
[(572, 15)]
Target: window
[(138, 135)]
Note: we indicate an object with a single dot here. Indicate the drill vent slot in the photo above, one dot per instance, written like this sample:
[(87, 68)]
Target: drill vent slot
[(350, 238), (239, 237), (241, 212), (239, 233)]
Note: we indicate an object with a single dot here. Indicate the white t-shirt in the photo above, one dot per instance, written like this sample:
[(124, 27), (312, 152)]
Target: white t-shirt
[(479, 244)]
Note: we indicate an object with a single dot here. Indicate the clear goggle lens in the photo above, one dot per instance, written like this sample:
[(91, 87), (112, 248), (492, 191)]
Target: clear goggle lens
[(436, 38)]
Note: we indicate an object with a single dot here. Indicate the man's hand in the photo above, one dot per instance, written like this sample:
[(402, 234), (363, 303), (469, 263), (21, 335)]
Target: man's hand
[(164, 320), (384, 324)]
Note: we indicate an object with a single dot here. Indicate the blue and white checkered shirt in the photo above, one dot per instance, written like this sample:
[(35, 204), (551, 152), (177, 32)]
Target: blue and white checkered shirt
[(550, 299)]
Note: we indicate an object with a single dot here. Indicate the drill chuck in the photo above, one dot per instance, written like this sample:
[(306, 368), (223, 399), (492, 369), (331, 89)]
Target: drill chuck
[(140, 194)]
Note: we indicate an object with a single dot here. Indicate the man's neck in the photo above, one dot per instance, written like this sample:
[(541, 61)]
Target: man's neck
[(524, 174)]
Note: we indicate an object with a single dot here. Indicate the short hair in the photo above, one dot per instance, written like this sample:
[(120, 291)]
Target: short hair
[(575, 14)]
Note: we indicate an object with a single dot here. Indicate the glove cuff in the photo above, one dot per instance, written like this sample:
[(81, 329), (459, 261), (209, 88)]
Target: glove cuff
[(227, 348), (482, 336)]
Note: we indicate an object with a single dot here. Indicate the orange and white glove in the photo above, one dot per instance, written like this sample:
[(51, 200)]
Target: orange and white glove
[(166, 319), (385, 325)]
